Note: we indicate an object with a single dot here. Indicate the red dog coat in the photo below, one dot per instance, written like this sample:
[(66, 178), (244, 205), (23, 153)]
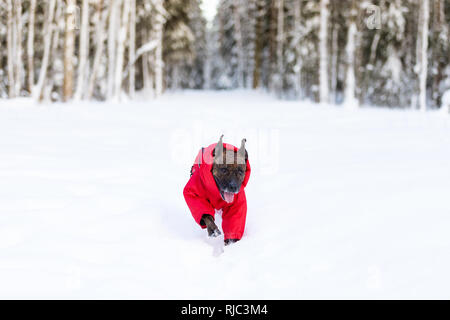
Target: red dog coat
[(202, 195)]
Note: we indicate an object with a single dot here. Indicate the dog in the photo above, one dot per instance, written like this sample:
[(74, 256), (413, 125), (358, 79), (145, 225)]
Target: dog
[(218, 178)]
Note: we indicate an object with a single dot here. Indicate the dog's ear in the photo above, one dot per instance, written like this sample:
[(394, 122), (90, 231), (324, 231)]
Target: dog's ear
[(218, 151), (242, 152)]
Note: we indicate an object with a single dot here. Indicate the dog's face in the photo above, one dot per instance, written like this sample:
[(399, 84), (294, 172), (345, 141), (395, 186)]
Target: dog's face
[(229, 168)]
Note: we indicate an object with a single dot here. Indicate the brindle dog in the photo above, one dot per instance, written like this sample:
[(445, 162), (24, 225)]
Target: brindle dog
[(228, 170)]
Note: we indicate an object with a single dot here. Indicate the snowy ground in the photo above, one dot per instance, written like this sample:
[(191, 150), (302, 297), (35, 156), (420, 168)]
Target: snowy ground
[(342, 203)]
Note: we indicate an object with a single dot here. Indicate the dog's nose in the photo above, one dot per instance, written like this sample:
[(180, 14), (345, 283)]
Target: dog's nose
[(233, 186)]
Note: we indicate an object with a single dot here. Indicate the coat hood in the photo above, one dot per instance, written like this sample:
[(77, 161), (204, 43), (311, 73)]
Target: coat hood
[(204, 162)]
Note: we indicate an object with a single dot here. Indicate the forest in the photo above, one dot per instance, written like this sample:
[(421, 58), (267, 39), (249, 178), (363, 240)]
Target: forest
[(382, 53), (107, 109)]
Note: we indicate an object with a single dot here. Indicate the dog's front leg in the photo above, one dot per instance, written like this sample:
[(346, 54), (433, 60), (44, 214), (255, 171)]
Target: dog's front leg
[(213, 231)]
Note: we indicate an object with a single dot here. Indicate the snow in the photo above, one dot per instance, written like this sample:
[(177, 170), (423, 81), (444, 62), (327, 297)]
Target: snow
[(446, 102), (341, 203)]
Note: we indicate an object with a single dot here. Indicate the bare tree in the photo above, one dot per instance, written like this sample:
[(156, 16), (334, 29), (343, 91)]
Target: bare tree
[(423, 53), (297, 26), (323, 48), (83, 54), (30, 46), (132, 49), (160, 19), (112, 44), (69, 48), (238, 38), (350, 81), (59, 26), (10, 49), (17, 36), (280, 46), (48, 29), (121, 48), (100, 43)]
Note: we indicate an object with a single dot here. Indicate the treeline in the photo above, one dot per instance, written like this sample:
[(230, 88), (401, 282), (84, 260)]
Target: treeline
[(58, 50), (377, 52)]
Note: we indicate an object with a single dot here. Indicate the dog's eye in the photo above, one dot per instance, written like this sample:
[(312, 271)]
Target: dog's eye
[(223, 170)]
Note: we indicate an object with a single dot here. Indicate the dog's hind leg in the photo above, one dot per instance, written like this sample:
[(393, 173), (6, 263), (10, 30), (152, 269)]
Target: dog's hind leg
[(230, 241)]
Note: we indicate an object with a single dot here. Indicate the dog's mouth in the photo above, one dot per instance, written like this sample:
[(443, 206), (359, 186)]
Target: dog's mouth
[(227, 196)]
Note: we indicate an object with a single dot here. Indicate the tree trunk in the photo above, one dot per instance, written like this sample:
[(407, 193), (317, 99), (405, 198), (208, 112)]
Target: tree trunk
[(30, 47), (423, 56), (48, 29), (10, 50), (238, 39), (121, 49), (323, 48), (69, 47), (112, 43), (280, 46), (100, 43), (299, 62), (59, 18), (18, 57), (84, 50), (132, 50), (439, 28), (258, 47), (159, 63), (350, 81), (334, 62)]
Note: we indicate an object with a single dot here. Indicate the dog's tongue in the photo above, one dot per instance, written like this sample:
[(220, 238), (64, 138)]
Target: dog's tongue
[(228, 196)]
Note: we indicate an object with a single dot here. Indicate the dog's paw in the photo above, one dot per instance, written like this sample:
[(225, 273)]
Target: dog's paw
[(214, 232), (227, 242)]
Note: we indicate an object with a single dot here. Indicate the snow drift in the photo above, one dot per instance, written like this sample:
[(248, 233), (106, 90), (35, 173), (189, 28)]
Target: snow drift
[(342, 203)]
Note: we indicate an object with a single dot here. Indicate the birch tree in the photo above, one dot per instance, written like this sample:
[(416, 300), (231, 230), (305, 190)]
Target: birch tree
[(48, 29), (132, 49), (423, 53), (121, 48), (83, 51), (350, 79), (259, 45), (100, 23), (323, 48), (297, 38), (17, 36), (160, 14), (280, 45), (55, 52), (112, 33), (30, 46), (10, 49), (69, 48), (238, 39), (440, 53), (237, 6)]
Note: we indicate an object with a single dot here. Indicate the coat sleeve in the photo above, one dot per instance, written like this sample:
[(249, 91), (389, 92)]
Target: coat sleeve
[(197, 203)]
